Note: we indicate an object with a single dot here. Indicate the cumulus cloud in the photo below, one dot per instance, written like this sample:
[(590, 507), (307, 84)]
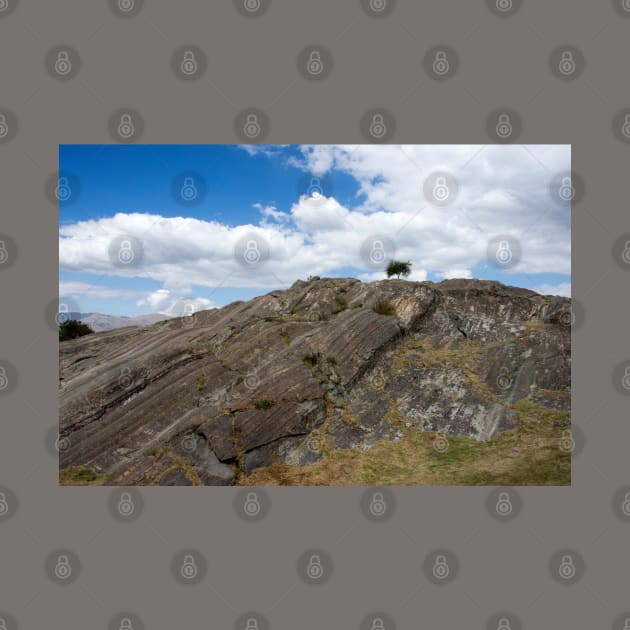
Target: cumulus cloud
[(502, 190), (164, 302), (155, 300)]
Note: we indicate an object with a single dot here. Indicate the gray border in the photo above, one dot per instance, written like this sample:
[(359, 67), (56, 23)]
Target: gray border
[(503, 567)]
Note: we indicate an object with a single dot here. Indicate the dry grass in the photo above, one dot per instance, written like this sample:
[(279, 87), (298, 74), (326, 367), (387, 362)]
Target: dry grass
[(528, 455)]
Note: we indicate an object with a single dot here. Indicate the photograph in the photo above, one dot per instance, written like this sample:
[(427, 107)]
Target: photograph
[(314, 315)]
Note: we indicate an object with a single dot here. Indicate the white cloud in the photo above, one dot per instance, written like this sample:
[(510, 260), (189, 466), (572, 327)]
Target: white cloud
[(563, 289), (271, 213), (502, 190), (73, 289), (177, 306), (156, 299), (187, 306), (455, 273)]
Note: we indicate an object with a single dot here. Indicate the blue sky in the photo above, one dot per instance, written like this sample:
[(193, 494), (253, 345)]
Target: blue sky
[(189, 215)]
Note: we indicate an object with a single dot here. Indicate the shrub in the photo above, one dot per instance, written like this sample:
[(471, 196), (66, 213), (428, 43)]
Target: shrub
[(341, 302), (384, 307), (263, 403), (73, 329), (311, 359)]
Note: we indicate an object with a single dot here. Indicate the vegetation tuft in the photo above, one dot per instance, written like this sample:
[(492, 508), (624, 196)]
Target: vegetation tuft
[(384, 307), (72, 329)]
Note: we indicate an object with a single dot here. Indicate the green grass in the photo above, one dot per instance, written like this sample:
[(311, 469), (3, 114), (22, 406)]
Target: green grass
[(80, 476)]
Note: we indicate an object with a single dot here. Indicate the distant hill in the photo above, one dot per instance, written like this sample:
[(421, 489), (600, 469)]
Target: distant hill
[(99, 322)]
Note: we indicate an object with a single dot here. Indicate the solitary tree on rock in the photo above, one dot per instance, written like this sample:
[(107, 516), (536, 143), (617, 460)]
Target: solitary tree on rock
[(398, 268)]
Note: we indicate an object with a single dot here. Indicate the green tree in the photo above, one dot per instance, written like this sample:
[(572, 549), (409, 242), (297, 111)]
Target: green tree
[(398, 268), (73, 329)]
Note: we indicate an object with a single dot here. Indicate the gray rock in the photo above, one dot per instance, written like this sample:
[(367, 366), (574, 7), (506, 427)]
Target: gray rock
[(253, 380)]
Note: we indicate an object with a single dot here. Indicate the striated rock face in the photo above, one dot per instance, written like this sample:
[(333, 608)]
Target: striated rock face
[(210, 398)]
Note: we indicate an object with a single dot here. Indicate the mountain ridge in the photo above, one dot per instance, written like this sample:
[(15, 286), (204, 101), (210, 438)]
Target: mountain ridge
[(295, 378)]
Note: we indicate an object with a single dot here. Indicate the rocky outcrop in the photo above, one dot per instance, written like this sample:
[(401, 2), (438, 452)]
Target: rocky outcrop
[(209, 398)]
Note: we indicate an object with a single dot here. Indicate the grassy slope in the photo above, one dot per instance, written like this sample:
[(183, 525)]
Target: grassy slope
[(531, 454)]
